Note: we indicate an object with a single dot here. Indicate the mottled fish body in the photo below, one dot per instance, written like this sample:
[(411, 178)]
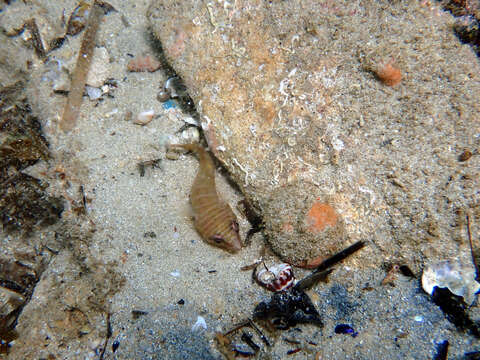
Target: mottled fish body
[(214, 219)]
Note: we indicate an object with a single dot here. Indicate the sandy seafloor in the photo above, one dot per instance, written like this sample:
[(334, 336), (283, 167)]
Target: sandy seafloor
[(395, 322)]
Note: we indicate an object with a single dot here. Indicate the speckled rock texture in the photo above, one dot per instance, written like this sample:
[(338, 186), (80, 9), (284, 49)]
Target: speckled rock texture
[(290, 103)]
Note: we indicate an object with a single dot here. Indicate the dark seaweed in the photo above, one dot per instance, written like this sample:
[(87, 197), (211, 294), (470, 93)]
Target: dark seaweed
[(24, 202), (455, 310), (288, 308), (442, 351)]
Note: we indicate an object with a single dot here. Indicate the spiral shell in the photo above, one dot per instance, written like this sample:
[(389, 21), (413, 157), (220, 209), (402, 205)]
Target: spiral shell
[(275, 278)]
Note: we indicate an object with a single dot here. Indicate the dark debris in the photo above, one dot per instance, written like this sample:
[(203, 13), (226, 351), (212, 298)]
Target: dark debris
[(455, 310), (24, 202), (154, 164), (288, 308), (442, 351), (345, 329), (137, 313)]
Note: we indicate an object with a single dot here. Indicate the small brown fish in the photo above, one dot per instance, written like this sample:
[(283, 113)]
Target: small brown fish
[(214, 219)]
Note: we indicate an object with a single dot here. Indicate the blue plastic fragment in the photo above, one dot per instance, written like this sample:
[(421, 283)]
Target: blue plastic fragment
[(169, 104), (345, 329)]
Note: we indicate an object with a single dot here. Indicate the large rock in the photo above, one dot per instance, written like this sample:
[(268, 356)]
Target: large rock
[(290, 103)]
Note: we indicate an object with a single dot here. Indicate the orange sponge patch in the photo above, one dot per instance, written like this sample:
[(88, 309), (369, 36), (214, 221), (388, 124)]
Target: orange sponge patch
[(389, 74), (320, 216)]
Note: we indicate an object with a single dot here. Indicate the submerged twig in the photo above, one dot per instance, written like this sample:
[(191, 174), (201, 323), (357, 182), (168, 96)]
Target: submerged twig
[(473, 251), (107, 337), (340, 256), (249, 322), (36, 38), (82, 67), (322, 271), (248, 339)]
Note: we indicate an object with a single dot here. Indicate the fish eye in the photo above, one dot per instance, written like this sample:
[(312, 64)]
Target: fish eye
[(217, 238), (235, 226)]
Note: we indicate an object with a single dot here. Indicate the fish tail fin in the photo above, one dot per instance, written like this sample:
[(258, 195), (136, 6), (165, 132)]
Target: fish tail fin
[(196, 148)]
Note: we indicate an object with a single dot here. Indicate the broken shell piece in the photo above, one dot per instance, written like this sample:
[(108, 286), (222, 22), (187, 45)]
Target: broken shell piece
[(199, 324), (191, 135), (144, 117), (175, 86), (275, 278), (459, 279), (10, 301)]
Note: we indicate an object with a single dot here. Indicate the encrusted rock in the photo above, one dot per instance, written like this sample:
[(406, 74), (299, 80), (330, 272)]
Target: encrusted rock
[(289, 91)]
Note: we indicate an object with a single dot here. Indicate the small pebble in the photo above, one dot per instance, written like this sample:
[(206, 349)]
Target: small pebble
[(338, 144), (465, 155), (111, 113), (418, 318), (93, 92), (128, 115), (143, 63), (163, 95), (144, 117), (191, 135)]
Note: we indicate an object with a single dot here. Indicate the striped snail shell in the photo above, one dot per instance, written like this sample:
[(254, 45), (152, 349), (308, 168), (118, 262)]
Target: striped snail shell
[(275, 278)]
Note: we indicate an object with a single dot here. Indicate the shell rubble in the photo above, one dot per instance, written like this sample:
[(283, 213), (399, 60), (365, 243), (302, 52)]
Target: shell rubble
[(458, 278)]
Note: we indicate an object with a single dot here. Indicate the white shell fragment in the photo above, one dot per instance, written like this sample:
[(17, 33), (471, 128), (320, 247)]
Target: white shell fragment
[(191, 135), (144, 117), (190, 120), (175, 273), (459, 279), (93, 92), (9, 301), (199, 324)]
